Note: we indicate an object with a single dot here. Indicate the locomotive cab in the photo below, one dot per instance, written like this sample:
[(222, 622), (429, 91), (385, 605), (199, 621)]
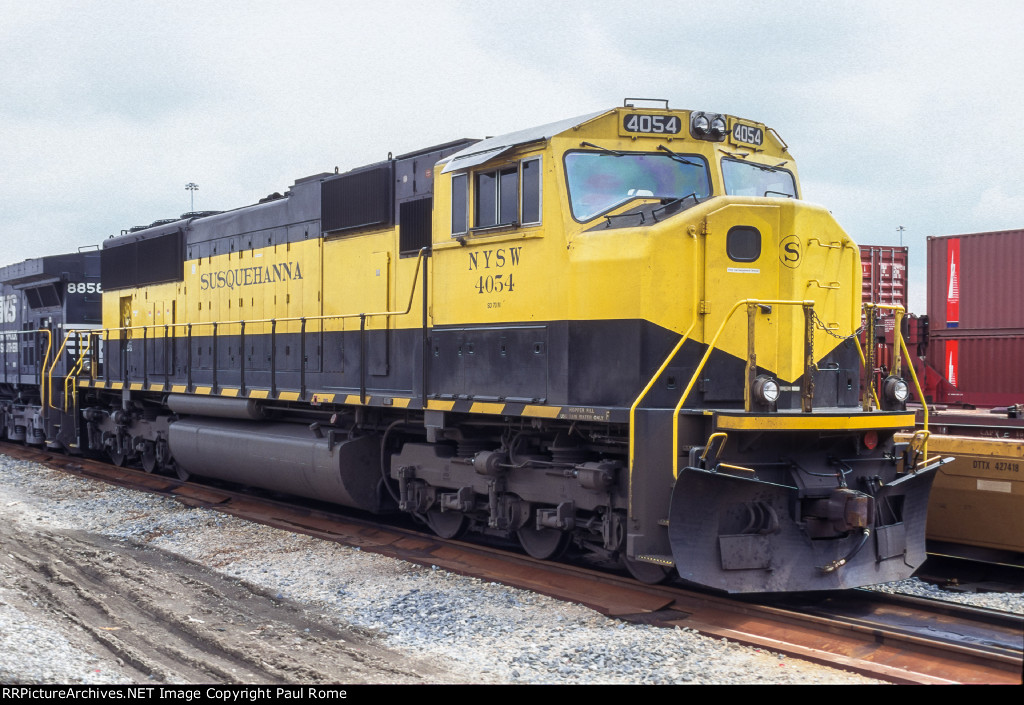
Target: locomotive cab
[(698, 291)]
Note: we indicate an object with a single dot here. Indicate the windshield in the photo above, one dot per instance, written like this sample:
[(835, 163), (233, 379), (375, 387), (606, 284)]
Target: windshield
[(749, 179), (599, 181)]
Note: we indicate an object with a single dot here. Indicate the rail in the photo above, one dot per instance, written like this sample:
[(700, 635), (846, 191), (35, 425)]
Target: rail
[(42, 368), (71, 333), (170, 334), (810, 366), (71, 379), (692, 232), (899, 311), (753, 306)]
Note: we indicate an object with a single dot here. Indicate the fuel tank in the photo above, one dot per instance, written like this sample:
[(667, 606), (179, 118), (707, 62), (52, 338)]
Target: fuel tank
[(285, 457)]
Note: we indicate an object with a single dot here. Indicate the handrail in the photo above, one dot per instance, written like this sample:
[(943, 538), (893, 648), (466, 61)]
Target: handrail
[(420, 264), (711, 439), (75, 369), (897, 332), (920, 395), (864, 363), (664, 365), (867, 310), (832, 245), (46, 358), (808, 305), (49, 372), (250, 321), (704, 359), (42, 368)]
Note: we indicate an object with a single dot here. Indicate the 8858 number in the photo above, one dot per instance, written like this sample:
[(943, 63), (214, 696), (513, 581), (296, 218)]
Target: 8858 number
[(84, 288)]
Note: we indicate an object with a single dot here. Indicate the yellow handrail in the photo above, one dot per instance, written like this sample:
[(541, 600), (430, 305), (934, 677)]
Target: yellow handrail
[(75, 369), (703, 361), (864, 363), (711, 440), (420, 264), (692, 231), (329, 316), (711, 347), (920, 395), (53, 365), (897, 333)]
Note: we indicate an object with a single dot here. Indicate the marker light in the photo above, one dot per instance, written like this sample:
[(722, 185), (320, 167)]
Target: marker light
[(871, 440)]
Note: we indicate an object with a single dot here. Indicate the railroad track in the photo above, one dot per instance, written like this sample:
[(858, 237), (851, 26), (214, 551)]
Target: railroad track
[(977, 572), (893, 638)]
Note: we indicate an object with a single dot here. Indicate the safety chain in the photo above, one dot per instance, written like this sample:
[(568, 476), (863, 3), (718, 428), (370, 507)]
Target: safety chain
[(821, 324)]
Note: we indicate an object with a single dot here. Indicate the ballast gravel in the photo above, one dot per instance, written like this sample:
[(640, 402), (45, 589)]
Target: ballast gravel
[(482, 632)]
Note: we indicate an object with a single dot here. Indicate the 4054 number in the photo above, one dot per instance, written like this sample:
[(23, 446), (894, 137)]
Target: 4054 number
[(494, 284), (651, 124)]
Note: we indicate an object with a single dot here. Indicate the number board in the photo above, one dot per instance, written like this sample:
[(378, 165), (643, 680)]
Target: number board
[(644, 124), (747, 134), (9, 309)]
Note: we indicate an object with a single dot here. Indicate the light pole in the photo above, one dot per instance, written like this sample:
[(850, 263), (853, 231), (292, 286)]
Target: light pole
[(899, 230), (193, 187)]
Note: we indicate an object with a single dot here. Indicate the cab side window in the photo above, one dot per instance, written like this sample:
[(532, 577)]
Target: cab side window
[(460, 201), (507, 196)]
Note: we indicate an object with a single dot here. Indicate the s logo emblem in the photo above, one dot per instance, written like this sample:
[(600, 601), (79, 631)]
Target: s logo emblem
[(790, 251)]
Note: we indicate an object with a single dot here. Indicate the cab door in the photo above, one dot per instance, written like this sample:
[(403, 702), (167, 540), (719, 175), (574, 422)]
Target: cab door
[(125, 335), (741, 263)]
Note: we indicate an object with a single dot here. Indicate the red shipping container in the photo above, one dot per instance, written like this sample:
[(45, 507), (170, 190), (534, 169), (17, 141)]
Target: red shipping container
[(976, 282), (884, 276), (987, 369)]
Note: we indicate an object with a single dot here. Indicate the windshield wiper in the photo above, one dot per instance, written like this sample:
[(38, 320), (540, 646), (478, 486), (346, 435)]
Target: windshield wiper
[(677, 157), (674, 201), (765, 167), (603, 149)]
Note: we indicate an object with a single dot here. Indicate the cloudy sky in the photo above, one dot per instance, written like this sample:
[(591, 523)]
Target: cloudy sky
[(898, 113)]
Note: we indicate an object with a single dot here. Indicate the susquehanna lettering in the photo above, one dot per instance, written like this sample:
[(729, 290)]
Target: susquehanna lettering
[(250, 276)]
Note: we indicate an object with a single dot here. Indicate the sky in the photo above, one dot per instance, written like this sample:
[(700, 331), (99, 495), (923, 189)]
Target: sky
[(897, 113)]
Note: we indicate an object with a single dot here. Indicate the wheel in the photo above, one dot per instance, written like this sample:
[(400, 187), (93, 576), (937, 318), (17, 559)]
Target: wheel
[(649, 573), (544, 544), (117, 458), (181, 472), (149, 463), (447, 525)]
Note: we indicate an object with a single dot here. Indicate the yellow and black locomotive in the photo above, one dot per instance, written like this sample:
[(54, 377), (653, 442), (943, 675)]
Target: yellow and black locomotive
[(622, 332)]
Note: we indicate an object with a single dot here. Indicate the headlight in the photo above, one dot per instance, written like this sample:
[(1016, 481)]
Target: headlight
[(708, 126), (895, 389), (718, 127), (766, 390), (701, 124)]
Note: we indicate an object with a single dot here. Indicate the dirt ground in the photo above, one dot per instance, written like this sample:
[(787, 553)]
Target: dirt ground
[(166, 619)]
